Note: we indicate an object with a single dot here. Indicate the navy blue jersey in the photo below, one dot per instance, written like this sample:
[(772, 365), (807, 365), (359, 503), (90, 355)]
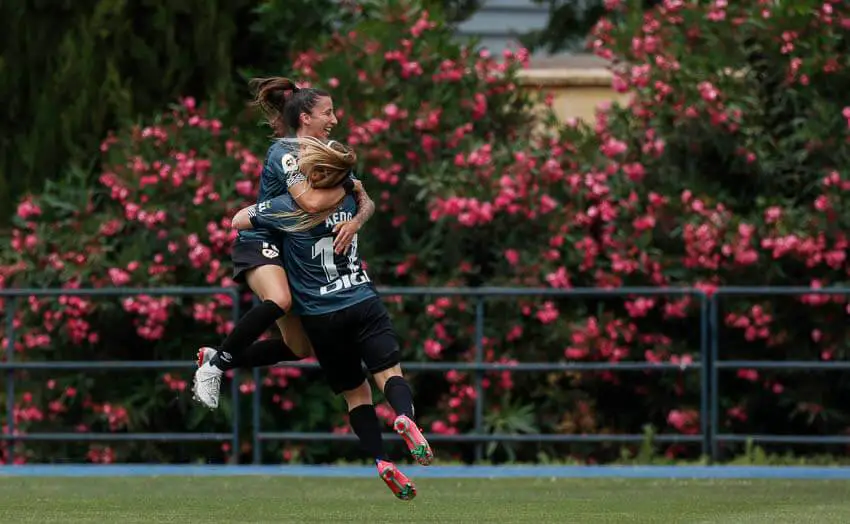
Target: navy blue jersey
[(321, 281)]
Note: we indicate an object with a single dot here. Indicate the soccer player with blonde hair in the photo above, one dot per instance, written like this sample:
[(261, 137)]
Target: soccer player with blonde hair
[(342, 313)]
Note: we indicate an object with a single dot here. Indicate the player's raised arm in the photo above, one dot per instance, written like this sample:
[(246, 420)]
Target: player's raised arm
[(277, 214), (314, 200)]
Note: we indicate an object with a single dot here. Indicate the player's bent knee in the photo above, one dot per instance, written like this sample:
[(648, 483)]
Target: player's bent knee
[(279, 296), (269, 283), (381, 377), (283, 301), (359, 396)]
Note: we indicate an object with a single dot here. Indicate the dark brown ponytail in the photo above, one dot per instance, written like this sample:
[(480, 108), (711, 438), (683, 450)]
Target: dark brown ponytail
[(283, 102), (271, 95)]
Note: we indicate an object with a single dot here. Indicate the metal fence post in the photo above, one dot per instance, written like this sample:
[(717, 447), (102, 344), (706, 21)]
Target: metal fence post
[(479, 375), (11, 304), (706, 426), (255, 417), (256, 450), (713, 387), (234, 388)]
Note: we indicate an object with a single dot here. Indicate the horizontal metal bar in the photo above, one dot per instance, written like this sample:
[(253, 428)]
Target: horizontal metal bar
[(541, 291), (123, 437), (542, 366), (491, 437), (444, 291), (783, 364), (408, 366), (527, 366), (100, 364), (789, 290), (785, 439), (116, 291)]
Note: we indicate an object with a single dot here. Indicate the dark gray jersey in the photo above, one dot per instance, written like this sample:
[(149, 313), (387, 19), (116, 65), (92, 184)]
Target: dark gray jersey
[(281, 165), (321, 281)]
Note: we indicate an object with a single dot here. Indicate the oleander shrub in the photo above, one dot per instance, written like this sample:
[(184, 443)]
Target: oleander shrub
[(727, 167)]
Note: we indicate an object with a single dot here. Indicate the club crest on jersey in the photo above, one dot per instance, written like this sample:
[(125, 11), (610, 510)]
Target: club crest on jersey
[(270, 250), (289, 163)]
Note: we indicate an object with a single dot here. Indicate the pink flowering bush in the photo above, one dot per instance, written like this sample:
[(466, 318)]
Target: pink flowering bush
[(157, 216), (749, 144), (726, 168)]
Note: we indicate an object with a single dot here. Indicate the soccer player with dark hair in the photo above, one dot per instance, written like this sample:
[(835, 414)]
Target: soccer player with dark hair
[(290, 111), (341, 311)]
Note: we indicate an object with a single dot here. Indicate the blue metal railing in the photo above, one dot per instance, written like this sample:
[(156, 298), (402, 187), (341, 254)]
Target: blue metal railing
[(10, 365), (709, 365), (717, 364), (478, 366)]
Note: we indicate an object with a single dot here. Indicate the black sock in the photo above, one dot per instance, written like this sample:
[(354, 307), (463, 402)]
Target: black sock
[(364, 422), (264, 353), (249, 328), (400, 396)]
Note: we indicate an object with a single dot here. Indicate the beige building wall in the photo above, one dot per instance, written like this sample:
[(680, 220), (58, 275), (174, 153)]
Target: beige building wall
[(578, 83)]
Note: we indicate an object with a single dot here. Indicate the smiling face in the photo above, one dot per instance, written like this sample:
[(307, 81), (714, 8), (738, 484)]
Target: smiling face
[(320, 120)]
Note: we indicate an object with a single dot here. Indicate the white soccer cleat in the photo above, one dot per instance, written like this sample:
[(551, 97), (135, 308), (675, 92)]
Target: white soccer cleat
[(205, 354), (206, 384)]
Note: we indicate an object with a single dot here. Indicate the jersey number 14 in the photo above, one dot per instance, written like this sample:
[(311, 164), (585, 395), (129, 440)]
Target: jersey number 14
[(339, 278)]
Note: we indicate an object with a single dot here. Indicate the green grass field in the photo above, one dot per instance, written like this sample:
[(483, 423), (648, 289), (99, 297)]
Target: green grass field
[(282, 499)]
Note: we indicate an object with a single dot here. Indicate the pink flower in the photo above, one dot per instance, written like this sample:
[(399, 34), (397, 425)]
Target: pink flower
[(514, 334), (708, 92), (685, 421), (548, 313), (772, 214), (613, 147), (748, 374), (575, 353), (245, 188), (119, 277), (737, 413), (559, 279), (433, 349), (439, 427), (635, 172), (391, 110), (547, 204), (421, 25), (27, 208), (639, 307), (619, 84)]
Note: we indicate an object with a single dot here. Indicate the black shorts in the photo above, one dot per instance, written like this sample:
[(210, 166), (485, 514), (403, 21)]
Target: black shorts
[(248, 254), (345, 340)]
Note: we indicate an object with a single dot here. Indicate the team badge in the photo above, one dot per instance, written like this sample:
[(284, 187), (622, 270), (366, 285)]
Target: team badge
[(270, 250), (290, 164)]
